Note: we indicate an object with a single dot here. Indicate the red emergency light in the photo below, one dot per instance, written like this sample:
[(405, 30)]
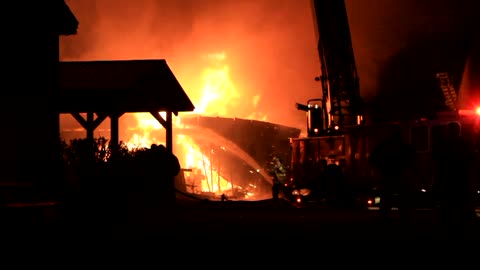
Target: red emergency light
[(475, 112)]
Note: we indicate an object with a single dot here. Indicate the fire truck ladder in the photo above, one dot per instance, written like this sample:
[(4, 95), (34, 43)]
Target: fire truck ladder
[(448, 90), (340, 83)]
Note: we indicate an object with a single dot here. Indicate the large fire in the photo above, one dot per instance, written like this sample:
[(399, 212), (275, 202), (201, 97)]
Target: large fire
[(228, 66), (211, 98)]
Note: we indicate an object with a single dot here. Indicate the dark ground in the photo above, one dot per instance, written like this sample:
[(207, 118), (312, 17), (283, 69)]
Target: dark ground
[(228, 223), (211, 233)]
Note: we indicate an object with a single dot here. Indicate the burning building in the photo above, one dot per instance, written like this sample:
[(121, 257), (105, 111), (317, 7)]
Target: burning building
[(220, 155), (246, 73)]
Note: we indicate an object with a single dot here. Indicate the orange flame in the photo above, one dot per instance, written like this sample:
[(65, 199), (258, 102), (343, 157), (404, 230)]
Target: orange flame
[(214, 97), (218, 91)]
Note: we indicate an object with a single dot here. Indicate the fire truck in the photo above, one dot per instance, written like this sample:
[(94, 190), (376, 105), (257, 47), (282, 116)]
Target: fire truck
[(340, 138)]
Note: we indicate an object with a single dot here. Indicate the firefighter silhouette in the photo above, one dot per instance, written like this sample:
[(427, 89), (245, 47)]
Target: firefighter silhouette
[(391, 158), (453, 164), (279, 174), (333, 182), (162, 167)]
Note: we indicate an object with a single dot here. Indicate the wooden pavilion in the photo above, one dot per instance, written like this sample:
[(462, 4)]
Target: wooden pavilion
[(102, 89)]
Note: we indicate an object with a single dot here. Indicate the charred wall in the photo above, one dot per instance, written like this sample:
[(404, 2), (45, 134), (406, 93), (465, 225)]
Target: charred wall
[(261, 140)]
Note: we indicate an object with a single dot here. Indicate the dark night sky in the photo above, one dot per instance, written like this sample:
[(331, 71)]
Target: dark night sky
[(401, 45), (271, 46)]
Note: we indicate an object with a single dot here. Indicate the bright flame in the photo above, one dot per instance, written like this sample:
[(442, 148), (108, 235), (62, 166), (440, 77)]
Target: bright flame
[(147, 124), (204, 172), (214, 97), (218, 91)]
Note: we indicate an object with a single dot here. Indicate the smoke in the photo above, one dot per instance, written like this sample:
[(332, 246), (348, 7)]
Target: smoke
[(383, 29), (401, 45), (270, 44)]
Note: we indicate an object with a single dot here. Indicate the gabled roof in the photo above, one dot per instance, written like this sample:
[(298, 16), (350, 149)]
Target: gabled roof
[(123, 86), (68, 23), (40, 17)]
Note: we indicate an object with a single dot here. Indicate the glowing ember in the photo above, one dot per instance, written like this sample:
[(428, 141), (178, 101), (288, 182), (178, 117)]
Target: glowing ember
[(205, 171)]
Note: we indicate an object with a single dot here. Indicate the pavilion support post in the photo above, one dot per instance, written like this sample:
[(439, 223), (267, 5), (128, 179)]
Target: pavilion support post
[(90, 128), (89, 124), (114, 132), (168, 125), (172, 194), (169, 132), (114, 125)]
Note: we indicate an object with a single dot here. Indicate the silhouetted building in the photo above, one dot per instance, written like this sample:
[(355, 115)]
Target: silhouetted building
[(29, 112)]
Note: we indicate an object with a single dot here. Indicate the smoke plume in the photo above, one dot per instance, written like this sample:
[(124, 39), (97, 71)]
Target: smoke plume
[(270, 45)]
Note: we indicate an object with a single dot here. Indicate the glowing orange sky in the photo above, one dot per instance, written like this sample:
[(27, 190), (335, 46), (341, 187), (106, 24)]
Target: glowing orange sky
[(270, 44), (269, 69)]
